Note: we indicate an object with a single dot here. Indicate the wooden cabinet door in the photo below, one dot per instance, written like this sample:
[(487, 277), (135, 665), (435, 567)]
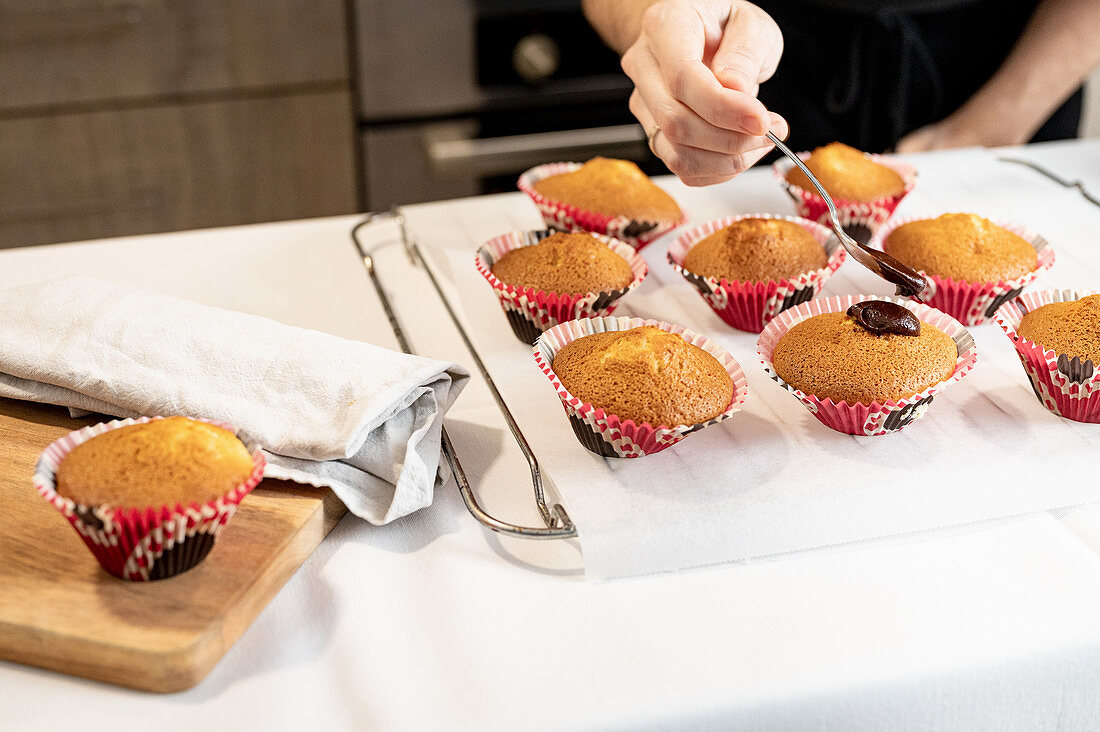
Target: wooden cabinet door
[(163, 168), (57, 53)]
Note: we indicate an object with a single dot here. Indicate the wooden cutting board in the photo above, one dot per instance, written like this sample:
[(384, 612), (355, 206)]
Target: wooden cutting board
[(60, 611)]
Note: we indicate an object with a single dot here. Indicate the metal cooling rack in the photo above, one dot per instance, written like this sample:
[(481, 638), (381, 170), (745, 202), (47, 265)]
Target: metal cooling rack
[(558, 524)]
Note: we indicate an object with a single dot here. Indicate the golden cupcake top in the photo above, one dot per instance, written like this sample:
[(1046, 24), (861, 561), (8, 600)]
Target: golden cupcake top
[(611, 187), (646, 375), (573, 263), (848, 174), (157, 463), (962, 247), (841, 357), (756, 250), (1067, 328)]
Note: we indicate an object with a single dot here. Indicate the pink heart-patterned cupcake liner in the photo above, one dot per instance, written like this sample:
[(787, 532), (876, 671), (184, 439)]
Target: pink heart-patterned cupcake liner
[(973, 303), (1069, 387), (874, 418), (141, 543), (749, 306), (530, 311), (565, 217), (608, 434), (860, 219)]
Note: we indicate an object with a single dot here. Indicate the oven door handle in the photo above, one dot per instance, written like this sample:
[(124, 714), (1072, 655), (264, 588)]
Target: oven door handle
[(504, 155)]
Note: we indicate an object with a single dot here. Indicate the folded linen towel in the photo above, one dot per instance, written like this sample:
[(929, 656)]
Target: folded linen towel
[(361, 419)]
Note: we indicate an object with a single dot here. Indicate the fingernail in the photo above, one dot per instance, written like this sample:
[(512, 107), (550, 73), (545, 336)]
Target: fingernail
[(753, 125), (780, 129)]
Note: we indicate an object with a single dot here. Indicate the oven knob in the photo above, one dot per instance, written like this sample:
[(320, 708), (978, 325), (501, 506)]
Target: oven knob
[(536, 57)]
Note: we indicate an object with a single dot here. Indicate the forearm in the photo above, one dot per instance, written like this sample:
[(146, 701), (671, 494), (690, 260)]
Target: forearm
[(617, 21), (1055, 53)]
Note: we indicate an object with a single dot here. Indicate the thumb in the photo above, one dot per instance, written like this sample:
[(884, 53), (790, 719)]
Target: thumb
[(749, 50)]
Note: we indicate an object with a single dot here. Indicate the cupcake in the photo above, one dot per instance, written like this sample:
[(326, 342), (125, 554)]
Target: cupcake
[(1057, 337), (750, 268), (149, 497), (972, 264), (865, 188), (605, 196), (633, 387), (866, 366), (543, 278)]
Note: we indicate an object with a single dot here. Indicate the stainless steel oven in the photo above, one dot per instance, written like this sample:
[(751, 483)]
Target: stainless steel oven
[(458, 97)]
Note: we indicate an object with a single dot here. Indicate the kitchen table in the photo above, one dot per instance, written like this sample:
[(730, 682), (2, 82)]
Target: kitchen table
[(434, 622)]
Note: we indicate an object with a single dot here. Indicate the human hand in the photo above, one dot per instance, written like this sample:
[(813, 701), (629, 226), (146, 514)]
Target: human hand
[(697, 66), (936, 136), (962, 130)]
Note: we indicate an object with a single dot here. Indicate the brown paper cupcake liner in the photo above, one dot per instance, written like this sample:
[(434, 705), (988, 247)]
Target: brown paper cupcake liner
[(1069, 387), (860, 219), (608, 434), (973, 303), (530, 311), (141, 544), (874, 418), (749, 306), (565, 217)]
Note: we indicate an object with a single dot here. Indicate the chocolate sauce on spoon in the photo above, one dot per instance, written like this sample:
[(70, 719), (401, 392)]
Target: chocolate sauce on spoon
[(908, 282)]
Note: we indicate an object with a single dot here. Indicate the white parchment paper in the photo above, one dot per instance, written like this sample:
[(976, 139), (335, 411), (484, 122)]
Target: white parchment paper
[(772, 479)]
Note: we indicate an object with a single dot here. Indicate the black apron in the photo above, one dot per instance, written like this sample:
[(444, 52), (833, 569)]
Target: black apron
[(867, 73)]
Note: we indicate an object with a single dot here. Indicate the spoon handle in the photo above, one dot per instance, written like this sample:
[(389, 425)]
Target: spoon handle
[(908, 281)]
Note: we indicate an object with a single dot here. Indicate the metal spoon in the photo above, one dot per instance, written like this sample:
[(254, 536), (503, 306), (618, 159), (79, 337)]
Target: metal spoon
[(908, 281)]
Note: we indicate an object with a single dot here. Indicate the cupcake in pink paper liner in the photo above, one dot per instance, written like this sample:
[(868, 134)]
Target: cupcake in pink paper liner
[(674, 381), (544, 277), (604, 196), (1057, 337), (973, 265), (751, 253), (148, 496), (866, 365), (865, 188)]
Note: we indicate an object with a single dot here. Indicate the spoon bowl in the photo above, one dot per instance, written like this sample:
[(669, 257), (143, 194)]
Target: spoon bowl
[(908, 281)]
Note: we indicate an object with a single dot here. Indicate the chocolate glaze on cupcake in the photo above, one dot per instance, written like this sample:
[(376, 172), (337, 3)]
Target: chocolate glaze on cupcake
[(756, 250), (611, 187), (848, 174), (874, 352), (962, 247), (565, 262), (646, 375)]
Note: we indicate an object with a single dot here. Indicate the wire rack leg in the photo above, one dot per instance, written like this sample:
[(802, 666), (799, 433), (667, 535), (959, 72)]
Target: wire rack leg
[(558, 524)]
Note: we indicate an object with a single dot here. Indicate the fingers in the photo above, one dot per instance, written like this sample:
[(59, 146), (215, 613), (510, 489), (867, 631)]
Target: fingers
[(750, 48), (696, 69), (747, 55), (683, 127), (711, 165), (693, 165), (778, 126), (676, 43)]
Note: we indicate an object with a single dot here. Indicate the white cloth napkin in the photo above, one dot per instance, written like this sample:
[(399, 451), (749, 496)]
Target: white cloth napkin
[(361, 419)]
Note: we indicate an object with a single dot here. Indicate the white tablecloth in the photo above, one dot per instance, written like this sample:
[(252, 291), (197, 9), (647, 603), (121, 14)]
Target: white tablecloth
[(433, 622)]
